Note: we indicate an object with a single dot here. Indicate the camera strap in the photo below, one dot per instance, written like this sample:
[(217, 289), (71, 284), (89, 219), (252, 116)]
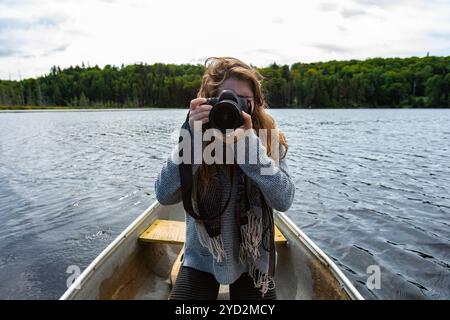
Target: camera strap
[(186, 178)]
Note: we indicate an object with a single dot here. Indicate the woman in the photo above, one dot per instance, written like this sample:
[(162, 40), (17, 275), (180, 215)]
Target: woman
[(230, 234)]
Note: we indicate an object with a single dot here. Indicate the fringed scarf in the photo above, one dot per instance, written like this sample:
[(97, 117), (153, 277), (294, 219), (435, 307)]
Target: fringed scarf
[(255, 218)]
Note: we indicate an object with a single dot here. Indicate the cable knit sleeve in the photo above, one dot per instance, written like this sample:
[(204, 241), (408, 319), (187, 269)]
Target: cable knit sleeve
[(168, 182), (273, 179)]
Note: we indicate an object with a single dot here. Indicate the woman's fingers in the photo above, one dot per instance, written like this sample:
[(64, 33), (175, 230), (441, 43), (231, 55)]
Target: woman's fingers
[(202, 108), (247, 120), (196, 102), (200, 115), (194, 127)]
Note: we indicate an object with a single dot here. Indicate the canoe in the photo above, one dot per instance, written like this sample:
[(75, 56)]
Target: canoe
[(132, 269)]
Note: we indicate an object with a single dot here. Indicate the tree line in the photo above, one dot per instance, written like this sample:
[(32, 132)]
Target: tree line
[(375, 82)]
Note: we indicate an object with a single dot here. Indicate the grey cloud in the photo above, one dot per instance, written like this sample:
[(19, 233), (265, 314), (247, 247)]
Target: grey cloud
[(8, 24), (270, 54), (75, 32), (265, 51), (278, 20), (348, 13), (331, 48), (326, 6), (378, 3), (7, 52), (60, 48), (440, 35), (10, 47), (13, 3), (13, 47), (48, 22), (13, 43), (199, 60), (11, 23), (12, 52)]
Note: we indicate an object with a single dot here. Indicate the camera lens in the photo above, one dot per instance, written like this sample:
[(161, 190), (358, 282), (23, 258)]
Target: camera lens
[(225, 115)]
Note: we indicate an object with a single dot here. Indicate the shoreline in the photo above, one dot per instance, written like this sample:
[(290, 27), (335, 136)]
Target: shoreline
[(63, 109), (4, 109)]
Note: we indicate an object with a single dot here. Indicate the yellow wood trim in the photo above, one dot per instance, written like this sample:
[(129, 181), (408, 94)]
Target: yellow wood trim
[(174, 232), (279, 237), (165, 231)]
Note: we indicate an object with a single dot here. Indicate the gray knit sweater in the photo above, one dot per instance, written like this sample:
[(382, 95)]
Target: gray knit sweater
[(277, 188)]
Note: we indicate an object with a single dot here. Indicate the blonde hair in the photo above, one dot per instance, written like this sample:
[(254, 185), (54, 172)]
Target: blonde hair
[(218, 69)]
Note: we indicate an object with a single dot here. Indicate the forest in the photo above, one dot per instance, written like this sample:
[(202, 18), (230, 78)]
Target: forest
[(371, 83)]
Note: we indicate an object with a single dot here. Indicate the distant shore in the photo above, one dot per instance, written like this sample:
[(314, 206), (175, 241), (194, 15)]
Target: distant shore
[(20, 109), (375, 82), (6, 109), (17, 107)]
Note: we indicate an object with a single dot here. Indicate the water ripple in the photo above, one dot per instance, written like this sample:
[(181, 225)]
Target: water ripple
[(372, 189)]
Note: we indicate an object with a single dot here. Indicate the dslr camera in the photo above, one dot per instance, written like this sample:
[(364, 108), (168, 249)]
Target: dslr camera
[(226, 112)]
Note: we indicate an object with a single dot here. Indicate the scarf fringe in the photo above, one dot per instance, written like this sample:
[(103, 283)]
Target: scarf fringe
[(251, 237), (213, 244), (261, 280)]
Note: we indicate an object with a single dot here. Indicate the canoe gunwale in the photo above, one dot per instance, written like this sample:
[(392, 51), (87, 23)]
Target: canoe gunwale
[(322, 257), (85, 276), (87, 273)]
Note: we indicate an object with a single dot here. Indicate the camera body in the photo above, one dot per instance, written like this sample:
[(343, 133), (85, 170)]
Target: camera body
[(226, 112)]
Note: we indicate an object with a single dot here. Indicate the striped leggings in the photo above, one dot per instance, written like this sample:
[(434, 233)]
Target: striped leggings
[(198, 285)]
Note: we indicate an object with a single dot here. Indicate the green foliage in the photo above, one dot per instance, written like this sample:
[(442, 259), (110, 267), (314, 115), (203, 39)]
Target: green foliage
[(376, 82)]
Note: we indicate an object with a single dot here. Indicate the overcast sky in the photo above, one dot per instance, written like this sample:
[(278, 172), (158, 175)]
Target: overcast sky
[(36, 34)]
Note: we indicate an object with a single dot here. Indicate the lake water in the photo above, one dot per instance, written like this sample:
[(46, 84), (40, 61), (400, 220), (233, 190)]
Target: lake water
[(373, 188)]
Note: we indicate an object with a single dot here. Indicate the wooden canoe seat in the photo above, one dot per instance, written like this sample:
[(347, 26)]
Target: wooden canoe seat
[(174, 232), (165, 231)]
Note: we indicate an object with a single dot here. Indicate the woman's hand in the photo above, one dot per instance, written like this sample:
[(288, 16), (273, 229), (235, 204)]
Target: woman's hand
[(238, 133), (199, 111), (247, 121)]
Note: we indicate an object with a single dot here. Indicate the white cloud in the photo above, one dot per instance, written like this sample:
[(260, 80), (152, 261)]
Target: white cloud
[(34, 35)]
